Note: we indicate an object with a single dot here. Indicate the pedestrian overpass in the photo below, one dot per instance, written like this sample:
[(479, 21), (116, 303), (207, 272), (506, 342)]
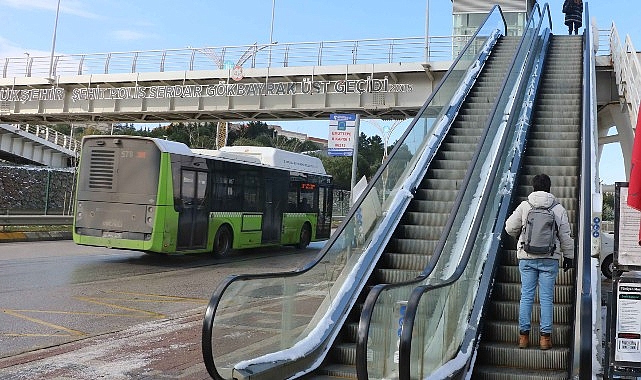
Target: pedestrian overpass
[(376, 78), (383, 79)]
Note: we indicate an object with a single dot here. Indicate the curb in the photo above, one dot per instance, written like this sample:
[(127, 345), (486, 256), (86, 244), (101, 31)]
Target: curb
[(12, 237)]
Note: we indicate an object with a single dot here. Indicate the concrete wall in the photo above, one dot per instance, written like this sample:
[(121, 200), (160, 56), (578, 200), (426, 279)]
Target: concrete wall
[(28, 189)]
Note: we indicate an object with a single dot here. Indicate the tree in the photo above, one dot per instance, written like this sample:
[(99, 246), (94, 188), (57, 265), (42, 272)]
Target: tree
[(608, 207), (340, 168)]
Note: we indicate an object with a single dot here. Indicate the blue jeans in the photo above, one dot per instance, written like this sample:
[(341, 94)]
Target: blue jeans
[(542, 272)]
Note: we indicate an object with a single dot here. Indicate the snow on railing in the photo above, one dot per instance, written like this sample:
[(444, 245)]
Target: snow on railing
[(627, 69)]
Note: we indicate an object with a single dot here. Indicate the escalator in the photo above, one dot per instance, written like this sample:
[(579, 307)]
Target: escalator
[(465, 324), (552, 147), (286, 324), (415, 238)]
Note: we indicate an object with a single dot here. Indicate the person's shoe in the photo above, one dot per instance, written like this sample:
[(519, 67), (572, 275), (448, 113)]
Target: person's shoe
[(546, 341), (524, 339)]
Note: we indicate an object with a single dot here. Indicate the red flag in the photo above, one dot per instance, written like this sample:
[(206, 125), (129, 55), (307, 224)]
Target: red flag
[(634, 187)]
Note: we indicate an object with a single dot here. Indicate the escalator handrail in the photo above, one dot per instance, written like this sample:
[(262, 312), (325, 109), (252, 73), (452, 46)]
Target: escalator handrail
[(212, 306), (582, 349), (416, 295)]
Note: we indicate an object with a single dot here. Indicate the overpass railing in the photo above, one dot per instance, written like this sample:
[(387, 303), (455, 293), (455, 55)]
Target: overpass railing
[(365, 51), (48, 134), (627, 70)]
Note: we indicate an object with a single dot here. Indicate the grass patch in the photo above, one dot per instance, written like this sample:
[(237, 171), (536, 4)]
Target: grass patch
[(45, 228)]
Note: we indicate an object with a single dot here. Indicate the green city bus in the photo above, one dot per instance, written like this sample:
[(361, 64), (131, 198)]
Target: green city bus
[(157, 195)]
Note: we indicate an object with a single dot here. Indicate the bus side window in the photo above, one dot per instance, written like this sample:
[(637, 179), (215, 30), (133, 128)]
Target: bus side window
[(304, 205), (201, 188), (292, 197), (188, 187), (250, 191)]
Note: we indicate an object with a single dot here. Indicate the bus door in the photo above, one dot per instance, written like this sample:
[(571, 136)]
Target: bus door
[(193, 214), (275, 203)]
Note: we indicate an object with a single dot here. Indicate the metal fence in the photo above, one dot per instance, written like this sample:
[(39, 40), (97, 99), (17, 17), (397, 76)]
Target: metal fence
[(324, 53)]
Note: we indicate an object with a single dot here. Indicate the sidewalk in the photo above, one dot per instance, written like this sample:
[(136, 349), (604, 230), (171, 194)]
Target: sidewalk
[(162, 349)]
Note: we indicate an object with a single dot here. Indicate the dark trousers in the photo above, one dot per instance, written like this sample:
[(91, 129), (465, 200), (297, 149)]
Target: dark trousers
[(573, 26)]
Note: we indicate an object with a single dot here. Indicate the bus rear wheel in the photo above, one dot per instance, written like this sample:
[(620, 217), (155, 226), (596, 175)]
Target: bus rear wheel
[(223, 241), (305, 236)]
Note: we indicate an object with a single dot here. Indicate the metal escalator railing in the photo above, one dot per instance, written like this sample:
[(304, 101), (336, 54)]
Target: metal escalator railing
[(586, 327), (287, 321), (457, 274)]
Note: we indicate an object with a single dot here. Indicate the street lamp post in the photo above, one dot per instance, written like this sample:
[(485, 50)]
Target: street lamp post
[(53, 42), (427, 30), (386, 133), (271, 34)]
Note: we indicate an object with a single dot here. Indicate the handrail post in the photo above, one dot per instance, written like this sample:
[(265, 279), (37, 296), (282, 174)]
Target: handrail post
[(107, 63)]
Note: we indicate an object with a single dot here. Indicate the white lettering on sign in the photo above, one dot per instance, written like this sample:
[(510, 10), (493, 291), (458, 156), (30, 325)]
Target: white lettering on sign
[(221, 89), (54, 93)]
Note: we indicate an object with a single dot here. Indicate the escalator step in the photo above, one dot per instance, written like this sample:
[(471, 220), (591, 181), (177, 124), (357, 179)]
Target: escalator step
[(509, 274), (421, 218), (502, 332), (509, 311), (512, 292), (336, 371), (392, 276), (446, 170), (531, 358), (412, 246), (421, 206), (438, 196), (506, 373), (405, 261)]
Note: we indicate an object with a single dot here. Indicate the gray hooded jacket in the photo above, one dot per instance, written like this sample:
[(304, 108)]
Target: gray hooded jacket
[(514, 226)]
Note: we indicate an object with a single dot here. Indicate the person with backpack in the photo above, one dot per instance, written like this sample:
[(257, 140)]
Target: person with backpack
[(544, 239)]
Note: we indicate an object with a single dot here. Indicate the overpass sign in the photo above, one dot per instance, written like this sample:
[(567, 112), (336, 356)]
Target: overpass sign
[(341, 135)]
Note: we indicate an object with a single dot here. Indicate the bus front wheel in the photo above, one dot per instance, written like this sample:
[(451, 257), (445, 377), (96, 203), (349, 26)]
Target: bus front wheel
[(223, 241), (305, 236)]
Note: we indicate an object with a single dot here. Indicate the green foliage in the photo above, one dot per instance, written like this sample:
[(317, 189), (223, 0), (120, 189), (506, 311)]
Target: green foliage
[(254, 133), (608, 207), (340, 168)]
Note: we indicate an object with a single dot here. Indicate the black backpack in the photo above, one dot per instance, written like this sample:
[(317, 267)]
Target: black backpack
[(540, 230)]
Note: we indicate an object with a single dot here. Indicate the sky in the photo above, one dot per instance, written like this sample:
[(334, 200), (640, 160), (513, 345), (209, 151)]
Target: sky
[(98, 26)]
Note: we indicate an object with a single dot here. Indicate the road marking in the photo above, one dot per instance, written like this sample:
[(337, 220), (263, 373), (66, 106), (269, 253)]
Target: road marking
[(97, 301), (71, 332), (130, 312)]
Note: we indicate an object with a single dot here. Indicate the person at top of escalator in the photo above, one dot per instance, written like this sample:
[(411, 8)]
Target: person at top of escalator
[(573, 10), (544, 239)]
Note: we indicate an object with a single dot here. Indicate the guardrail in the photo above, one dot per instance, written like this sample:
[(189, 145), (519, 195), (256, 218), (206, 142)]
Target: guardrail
[(35, 220), (46, 133), (366, 51)]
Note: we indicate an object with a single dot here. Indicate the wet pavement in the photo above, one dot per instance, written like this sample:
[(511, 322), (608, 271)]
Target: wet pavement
[(73, 312), (166, 347), (161, 349)]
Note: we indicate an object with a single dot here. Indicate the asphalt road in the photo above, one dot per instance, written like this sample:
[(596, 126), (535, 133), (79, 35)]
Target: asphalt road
[(57, 292)]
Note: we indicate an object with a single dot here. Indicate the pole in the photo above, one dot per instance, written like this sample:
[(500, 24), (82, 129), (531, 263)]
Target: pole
[(271, 35), (355, 157), (53, 42), (427, 30)]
